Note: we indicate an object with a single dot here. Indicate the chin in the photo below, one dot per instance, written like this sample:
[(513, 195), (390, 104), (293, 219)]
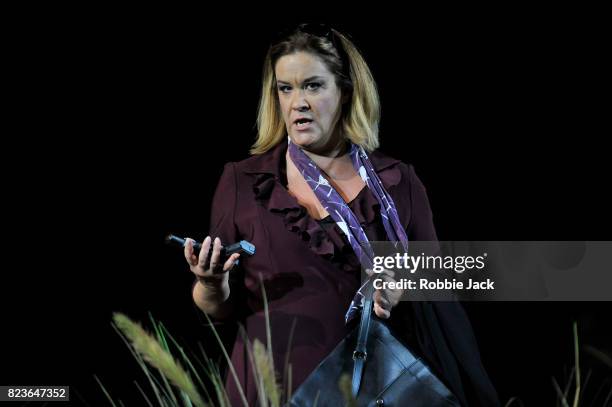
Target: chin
[(304, 140)]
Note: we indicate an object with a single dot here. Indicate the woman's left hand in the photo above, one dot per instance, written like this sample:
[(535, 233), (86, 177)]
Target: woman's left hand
[(385, 299)]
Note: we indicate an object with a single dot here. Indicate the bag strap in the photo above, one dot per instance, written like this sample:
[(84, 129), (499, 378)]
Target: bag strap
[(360, 354)]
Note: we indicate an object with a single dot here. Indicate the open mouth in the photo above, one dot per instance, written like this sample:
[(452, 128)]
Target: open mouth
[(302, 123)]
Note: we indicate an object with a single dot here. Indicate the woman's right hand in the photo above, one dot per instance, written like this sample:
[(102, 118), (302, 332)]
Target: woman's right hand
[(216, 274)]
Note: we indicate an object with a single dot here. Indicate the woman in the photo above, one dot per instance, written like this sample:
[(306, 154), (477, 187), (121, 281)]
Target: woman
[(318, 120)]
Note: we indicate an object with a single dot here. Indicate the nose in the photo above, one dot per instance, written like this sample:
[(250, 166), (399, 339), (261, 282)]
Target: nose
[(299, 101)]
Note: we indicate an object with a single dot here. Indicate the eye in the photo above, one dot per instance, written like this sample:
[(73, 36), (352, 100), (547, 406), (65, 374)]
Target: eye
[(313, 86), (284, 88)]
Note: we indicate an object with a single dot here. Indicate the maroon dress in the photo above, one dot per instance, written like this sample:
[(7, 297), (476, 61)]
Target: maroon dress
[(307, 266)]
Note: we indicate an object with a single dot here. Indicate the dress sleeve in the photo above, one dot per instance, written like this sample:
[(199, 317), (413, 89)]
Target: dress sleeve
[(222, 222), (223, 207), (420, 226)]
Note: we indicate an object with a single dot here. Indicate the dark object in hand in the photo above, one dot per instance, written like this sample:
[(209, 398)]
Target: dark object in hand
[(243, 247)]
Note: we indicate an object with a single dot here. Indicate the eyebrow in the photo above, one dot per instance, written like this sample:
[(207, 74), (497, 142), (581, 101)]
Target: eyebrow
[(311, 78)]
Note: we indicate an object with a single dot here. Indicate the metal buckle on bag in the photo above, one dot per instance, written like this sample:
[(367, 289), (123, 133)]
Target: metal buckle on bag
[(357, 354)]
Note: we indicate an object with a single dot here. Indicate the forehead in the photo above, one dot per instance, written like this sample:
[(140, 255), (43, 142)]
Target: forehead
[(300, 65)]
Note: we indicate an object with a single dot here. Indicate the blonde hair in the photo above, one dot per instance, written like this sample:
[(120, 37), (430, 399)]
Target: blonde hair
[(360, 116)]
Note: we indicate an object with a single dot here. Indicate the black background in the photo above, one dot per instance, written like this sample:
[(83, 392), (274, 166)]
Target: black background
[(121, 121)]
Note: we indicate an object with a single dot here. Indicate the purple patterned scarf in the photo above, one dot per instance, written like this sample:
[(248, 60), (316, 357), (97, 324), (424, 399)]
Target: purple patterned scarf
[(342, 214)]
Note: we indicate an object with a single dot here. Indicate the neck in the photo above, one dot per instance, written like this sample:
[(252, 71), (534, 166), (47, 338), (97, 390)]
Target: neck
[(333, 162), (339, 149)]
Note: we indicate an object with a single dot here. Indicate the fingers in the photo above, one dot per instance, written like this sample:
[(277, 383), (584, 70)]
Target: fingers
[(231, 262), (204, 252), (385, 299), (215, 257), (201, 265), (192, 260), (381, 298), (382, 273), (381, 312), (382, 307)]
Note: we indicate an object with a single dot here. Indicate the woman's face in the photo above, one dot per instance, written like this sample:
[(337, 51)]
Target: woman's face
[(309, 100)]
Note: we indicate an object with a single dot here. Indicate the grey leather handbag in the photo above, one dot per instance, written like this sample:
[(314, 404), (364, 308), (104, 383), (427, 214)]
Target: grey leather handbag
[(384, 372)]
